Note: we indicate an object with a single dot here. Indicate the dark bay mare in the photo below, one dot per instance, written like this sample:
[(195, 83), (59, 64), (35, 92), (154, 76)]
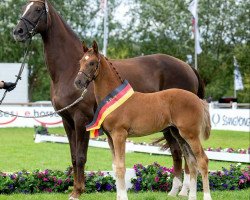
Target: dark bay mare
[(123, 113), (63, 50)]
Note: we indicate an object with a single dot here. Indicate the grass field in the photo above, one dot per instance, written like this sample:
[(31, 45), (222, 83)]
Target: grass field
[(18, 151), (225, 195)]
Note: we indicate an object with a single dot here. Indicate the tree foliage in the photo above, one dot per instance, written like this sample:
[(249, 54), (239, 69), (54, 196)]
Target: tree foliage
[(162, 26)]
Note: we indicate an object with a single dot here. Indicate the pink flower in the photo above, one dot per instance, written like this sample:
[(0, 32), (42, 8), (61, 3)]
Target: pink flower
[(45, 179), (157, 179)]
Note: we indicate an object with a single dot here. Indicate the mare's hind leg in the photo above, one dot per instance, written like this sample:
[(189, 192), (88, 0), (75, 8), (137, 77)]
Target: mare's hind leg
[(202, 161), (119, 141), (177, 161), (186, 181)]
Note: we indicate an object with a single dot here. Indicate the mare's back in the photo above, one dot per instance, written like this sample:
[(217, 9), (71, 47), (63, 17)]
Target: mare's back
[(157, 72)]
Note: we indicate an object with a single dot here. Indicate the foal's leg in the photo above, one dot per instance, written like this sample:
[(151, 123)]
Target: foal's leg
[(119, 141), (202, 165), (177, 161), (111, 146)]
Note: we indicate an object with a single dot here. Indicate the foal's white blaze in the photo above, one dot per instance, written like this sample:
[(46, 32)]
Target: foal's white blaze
[(186, 185), (176, 186), (27, 8), (86, 57)]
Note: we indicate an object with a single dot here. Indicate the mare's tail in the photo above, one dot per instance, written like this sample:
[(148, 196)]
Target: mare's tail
[(206, 125), (201, 86)]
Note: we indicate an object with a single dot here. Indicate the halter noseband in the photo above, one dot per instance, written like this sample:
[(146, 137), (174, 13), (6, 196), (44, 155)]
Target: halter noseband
[(26, 21)]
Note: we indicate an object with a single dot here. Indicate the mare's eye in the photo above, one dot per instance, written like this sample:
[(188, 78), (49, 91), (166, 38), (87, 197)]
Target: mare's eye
[(91, 63)]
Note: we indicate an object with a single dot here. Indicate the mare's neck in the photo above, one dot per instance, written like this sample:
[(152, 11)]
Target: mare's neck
[(63, 50), (106, 81)]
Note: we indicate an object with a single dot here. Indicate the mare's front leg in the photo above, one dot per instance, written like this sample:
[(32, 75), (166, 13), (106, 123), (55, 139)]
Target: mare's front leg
[(177, 161), (71, 134), (119, 141), (82, 141)]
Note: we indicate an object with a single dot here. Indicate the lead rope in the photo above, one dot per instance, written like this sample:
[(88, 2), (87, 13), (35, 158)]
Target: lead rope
[(18, 76), (56, 112)]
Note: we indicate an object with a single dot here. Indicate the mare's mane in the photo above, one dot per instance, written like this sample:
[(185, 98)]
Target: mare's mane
[(66, 25)]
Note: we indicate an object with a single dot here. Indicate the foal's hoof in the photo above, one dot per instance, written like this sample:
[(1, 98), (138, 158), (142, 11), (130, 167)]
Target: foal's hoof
[(73, 198), (183, 192), (173, 193), (192, 197)]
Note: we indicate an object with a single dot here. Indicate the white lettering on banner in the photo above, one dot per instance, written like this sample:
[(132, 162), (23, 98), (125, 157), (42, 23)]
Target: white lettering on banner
[(221, 119)]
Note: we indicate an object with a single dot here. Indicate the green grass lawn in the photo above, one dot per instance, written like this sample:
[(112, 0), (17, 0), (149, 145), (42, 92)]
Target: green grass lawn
[(18, 151), (225, 195)]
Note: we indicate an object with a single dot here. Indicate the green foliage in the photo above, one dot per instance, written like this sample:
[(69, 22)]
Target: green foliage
[(165, 26), (153, 27)]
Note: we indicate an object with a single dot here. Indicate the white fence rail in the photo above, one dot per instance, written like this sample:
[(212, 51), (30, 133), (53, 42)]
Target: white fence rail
[(130, 147)]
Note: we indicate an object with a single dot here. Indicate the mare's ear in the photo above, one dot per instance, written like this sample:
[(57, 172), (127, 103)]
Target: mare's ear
[(84, 46), (95, 47)]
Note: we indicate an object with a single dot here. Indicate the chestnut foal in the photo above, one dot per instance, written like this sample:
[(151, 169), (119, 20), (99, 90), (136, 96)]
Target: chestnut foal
[(123, 113)]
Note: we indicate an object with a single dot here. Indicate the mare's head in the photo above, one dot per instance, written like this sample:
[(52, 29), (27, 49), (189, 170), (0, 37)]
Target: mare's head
[(89, 66), (35, 19)]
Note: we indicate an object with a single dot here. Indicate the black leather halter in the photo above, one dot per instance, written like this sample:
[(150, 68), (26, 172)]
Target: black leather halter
[(27, 22)]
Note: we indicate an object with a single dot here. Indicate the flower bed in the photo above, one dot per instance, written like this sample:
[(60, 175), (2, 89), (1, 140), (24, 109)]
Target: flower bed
[(153, 178), (148, 178), (52, 181)]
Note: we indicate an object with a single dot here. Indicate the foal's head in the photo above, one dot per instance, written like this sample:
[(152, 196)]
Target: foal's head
[(89, 66), (35, 19)]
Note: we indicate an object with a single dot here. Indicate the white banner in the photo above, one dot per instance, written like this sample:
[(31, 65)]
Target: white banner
[(7, 120), (230, 119), (221, 119)]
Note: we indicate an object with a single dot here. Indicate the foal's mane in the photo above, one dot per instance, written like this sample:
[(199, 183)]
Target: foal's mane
[(108, 62), (113, 67)]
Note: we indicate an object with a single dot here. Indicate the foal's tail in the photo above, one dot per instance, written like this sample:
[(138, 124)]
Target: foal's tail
[(206, 125)]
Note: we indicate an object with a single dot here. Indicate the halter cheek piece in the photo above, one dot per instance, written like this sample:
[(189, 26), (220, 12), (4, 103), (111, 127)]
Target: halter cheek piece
[(95, 74), (26, 21)]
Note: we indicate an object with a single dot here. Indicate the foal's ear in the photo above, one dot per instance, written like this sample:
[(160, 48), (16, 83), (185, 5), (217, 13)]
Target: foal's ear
[(84, 46), (95, 47)]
